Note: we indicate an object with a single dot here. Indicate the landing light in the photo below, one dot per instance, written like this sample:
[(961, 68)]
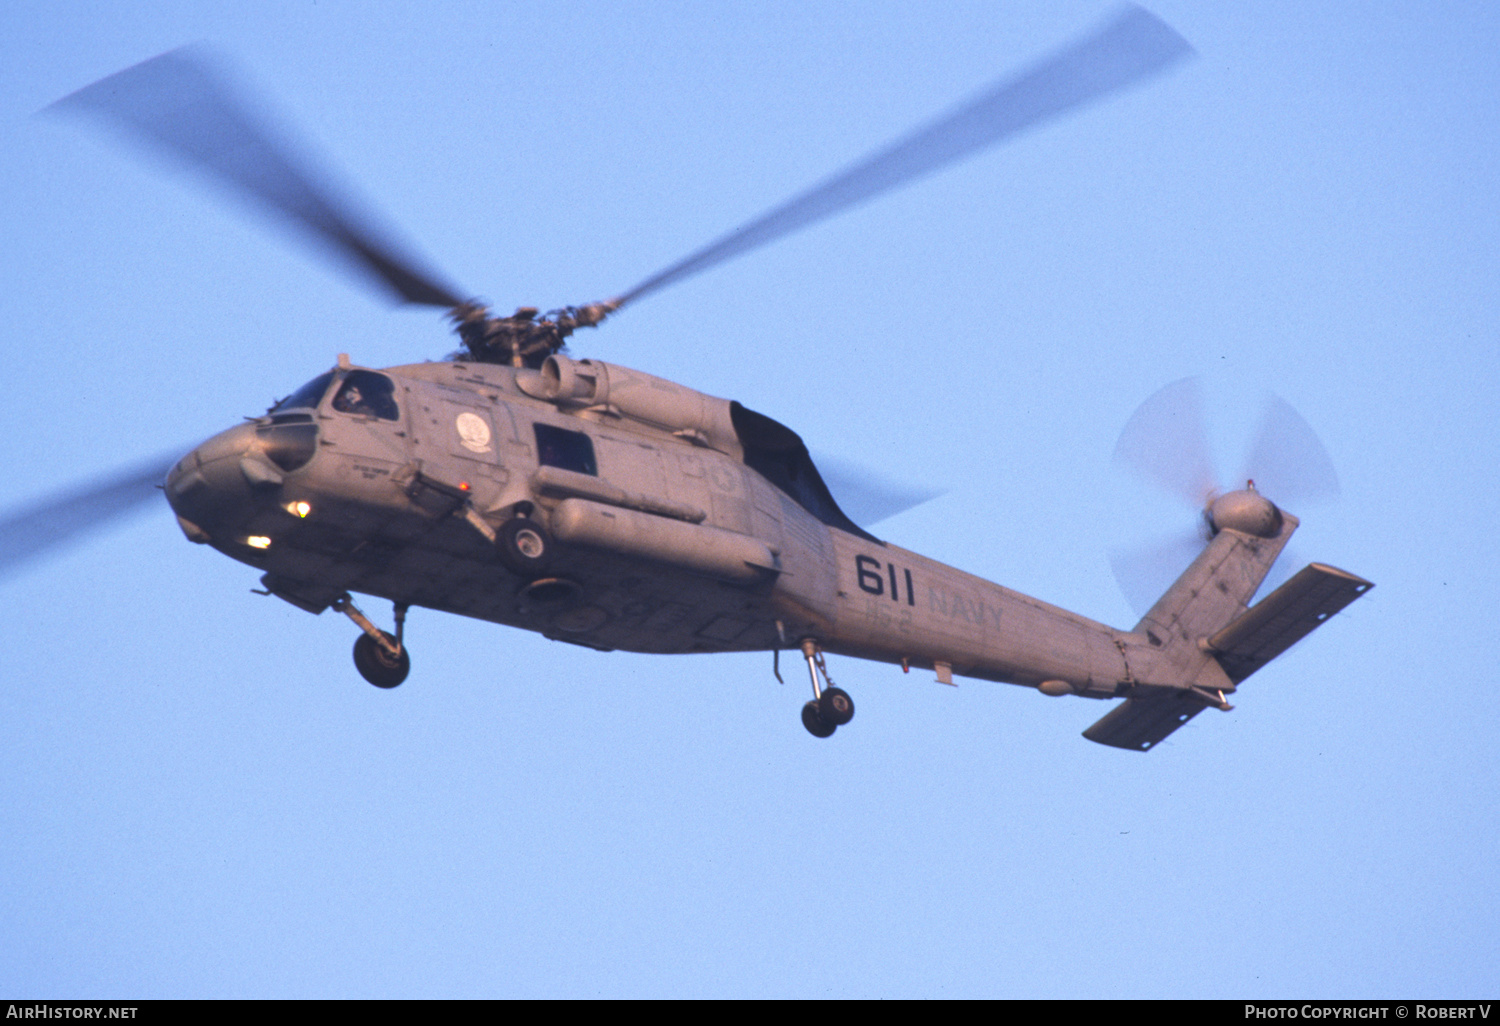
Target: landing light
[(258, 541), (299, 508)]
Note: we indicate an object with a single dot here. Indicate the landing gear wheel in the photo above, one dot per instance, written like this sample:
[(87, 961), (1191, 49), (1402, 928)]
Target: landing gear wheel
[(525, 546), (813, 720), (377, 666), (836, 707)]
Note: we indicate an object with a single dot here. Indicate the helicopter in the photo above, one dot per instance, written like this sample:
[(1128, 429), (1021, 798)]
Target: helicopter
[(610, 508)]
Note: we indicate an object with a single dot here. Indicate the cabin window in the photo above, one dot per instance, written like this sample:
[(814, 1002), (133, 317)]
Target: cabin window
[(565, 450), (367, 394)]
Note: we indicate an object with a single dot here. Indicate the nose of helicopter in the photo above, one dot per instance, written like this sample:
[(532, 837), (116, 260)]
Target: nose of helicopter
[(218, 482)]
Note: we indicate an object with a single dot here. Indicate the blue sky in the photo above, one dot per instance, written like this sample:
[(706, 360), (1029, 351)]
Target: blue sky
[(200, 797)]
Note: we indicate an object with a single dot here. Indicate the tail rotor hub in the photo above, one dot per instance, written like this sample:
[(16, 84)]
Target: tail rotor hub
[(1245, 510)]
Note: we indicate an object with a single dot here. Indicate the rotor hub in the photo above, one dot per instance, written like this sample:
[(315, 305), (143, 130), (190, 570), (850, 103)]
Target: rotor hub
[(523, 339)]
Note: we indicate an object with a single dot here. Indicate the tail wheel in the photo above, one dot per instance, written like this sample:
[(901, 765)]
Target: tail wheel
[(836, 707), (813, 720)]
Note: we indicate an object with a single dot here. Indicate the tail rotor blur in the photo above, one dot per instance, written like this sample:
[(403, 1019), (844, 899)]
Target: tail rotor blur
[(1166, 444)]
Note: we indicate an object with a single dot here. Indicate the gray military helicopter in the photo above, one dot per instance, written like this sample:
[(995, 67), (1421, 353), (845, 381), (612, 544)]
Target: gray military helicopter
[(613, 509)]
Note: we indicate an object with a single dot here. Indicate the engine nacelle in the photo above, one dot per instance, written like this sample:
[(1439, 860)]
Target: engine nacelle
[(566, 381), (658, 402)]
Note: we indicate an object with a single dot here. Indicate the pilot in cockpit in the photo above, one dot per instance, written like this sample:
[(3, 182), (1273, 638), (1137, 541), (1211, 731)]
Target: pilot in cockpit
[(367, 394), (351, 400)]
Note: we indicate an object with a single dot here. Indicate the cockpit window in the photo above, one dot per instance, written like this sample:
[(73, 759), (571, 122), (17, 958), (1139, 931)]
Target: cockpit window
[(566, 450), (367, 394), (307, 397)]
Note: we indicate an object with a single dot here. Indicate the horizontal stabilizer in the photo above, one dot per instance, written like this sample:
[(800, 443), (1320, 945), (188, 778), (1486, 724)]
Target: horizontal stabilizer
[(1252, 639), (1283, 618), (1139, 723)]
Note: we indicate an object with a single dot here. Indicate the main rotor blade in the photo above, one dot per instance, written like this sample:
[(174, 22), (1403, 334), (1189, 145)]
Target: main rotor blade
[(868, 497), (33, 530), (179, 103), (1132, 47)]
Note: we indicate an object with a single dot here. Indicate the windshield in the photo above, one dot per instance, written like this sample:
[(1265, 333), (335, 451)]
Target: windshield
[(308, 396)]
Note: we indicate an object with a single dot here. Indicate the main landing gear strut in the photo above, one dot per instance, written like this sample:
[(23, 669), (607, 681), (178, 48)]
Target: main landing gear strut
[(831, 706), (379, 657)]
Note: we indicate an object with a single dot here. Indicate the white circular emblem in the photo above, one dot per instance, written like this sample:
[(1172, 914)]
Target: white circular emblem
[(473, 432)]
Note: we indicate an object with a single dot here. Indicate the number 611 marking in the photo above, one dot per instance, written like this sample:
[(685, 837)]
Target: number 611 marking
[(872, 579)]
